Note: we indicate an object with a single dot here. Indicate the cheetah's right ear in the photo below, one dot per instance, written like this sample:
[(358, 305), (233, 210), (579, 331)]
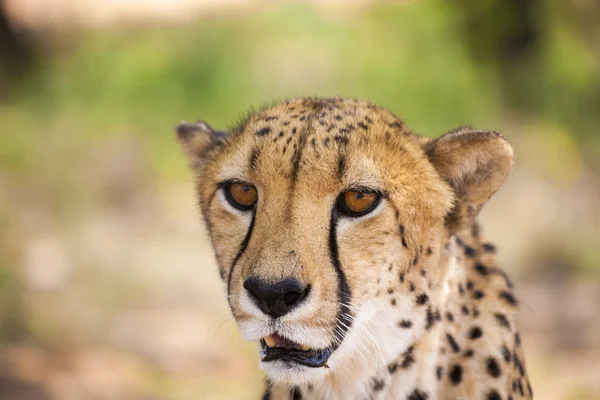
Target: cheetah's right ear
[(198, 140), (475, 164)]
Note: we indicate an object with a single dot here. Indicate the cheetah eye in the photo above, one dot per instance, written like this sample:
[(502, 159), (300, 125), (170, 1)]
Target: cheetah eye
[(355, 203), (242, 196)]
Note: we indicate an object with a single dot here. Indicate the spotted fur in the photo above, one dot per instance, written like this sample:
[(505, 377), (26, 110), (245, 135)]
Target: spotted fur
[(409, 296)]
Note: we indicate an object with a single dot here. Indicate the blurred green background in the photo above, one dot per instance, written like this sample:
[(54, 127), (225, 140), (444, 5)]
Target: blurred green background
[(108, 288)]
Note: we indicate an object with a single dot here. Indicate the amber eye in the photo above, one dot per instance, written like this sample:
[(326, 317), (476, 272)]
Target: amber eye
[(242, 196), (356, 203)]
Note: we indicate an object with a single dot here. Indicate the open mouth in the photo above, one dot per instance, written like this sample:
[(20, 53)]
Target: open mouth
[(276, 347)]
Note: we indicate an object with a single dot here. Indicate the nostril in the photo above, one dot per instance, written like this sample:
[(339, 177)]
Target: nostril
[(275, 299), (290, 298), (294, 296)]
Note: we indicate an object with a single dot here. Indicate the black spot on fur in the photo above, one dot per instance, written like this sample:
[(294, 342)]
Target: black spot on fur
[(415, 260), (362, 125), (264, 131), (396, 124), (470, 285), (253, 157), (508, 297), (482, 269), (488, 247), (517, 339), (402, 277), (505, 353), (507, 280), (520, 386), (493, 395), (492, 367), (401, 228), (475, 333), (411, 287), (469, 353), (429, 251), (439, 372), (455, 374), (518, 364), (405, 324), (408, 358), (464, 310), (343, 140), (392, 367), (347, 129), (455, 347), (470, 252), (417, 395), (430, 318), (502, 320), (422, 299), (393, 302), (449, 316), (378, 385), (478, 294)]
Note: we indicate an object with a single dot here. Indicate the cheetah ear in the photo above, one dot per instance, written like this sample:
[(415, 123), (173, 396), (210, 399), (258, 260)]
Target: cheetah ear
[(198, 140), (475, 164)]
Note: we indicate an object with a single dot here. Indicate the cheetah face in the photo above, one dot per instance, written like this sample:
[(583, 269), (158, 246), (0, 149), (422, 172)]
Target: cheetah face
[(327, 217)]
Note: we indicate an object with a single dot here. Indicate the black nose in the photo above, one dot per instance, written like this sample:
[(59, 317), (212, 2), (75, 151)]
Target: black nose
[(276, 299)]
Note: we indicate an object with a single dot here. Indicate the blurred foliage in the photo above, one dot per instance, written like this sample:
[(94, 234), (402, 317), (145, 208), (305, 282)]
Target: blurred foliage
[(440, 64)]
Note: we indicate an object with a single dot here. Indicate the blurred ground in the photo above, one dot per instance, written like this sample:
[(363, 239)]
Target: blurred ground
[(108, 288)]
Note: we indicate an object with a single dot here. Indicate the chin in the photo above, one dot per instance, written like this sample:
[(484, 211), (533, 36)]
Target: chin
[(291, 372)]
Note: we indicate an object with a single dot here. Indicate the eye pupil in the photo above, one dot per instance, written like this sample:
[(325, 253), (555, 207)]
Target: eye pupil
[(356, 203), (241, 195)]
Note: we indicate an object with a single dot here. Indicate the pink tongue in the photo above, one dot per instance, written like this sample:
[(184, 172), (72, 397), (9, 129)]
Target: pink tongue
[(283, 342)]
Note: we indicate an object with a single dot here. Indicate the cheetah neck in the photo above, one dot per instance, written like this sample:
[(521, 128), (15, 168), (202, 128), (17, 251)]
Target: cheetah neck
[(464, 353)]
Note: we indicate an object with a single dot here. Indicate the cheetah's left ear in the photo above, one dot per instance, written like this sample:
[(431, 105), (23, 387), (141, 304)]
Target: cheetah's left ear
[(475, 164), (199, 140)]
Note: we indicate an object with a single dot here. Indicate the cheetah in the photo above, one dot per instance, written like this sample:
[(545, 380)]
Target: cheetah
[(351, 254)]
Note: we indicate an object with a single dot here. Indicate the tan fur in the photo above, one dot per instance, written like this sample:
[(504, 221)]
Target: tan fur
[(407, 264)]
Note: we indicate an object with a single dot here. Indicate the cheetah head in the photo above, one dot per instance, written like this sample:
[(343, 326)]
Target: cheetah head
[(328, 219)]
